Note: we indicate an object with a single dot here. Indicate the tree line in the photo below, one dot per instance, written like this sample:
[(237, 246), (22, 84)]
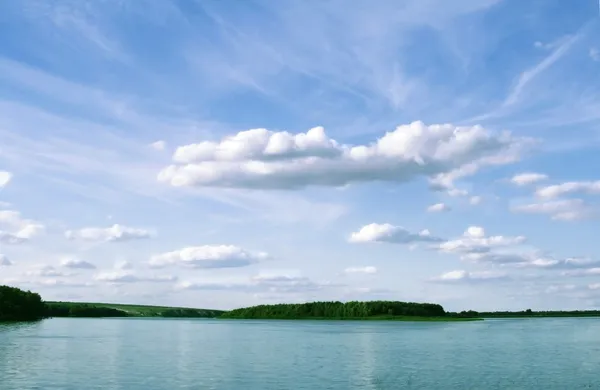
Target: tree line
[(549, 313), (19, 305), (55, 309), (333, 310)]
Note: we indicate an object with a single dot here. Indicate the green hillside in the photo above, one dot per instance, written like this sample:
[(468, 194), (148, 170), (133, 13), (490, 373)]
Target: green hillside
[(94, 309)]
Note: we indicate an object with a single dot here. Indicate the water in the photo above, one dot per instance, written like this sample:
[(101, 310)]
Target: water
[(263, 355)]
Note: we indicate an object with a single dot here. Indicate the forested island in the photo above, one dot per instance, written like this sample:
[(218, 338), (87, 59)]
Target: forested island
[(371, 310)]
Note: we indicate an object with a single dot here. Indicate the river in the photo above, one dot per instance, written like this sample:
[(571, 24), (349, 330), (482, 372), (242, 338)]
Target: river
[(167, 354)]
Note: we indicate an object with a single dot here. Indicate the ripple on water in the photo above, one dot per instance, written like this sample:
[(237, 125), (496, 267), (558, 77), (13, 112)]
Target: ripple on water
[(251, 355)]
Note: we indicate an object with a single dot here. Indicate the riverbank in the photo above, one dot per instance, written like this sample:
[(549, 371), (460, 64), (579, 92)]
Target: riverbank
[(374, 318), (96, 309)]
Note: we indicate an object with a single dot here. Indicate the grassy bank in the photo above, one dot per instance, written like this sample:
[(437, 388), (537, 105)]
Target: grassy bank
[(96, 309)]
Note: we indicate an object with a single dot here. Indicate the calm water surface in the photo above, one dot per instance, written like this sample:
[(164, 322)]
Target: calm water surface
[(262, 355)]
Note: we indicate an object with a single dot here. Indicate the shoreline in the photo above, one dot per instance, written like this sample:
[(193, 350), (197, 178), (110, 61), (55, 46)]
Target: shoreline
[(361, 319)]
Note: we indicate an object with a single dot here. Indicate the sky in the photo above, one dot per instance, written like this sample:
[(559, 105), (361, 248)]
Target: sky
[(227, 154)]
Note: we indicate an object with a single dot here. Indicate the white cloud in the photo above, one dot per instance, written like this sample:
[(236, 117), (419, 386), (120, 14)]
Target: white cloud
[(5, 178), (76, 264), (461, 276), (9, 238), (532, 260), (563, 209), (391, 234), (361, 270), (287, 283), (158, 145), (528, 178), (438, 207), (583, 272), (61, 283), (123, 265), (260, 158), (114, 233), (474, 240), (556, 190), (496, 258), (128, 277), (475, 200), (5, 261), (261, 145), (19, 228), (549, 262), (208, 256), (45, 270), (595, 54)]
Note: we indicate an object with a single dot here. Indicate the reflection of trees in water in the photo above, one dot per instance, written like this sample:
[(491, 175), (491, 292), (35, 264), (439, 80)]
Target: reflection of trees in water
[(18, 325)]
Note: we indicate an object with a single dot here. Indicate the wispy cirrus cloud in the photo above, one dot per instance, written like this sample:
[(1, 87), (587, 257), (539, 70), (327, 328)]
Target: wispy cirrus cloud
[(279, 135)]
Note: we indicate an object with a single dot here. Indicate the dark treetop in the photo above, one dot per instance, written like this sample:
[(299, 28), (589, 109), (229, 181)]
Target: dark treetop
[(19, 305), (339, 310)]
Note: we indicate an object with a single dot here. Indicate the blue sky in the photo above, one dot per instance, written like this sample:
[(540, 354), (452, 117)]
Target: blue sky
[(222, 154)]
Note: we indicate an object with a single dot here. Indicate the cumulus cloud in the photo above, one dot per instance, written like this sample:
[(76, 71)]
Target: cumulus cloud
[(260, 158), (208, 256), (562, 209), (438, 208), (16, 228), (9, 238), (5, 178), (158, 145), (474, 240), (550, 262), (361, 270), (497, 258), (262, 283), (583, 272), (59, 283), (462, 276), (5, 261), (128, 277), (533, 260), (528, 178), (45, 270), (475, 200), (76, 264), (386, 232), (115, 233), (123, 265), (571, 187), (444, 181)]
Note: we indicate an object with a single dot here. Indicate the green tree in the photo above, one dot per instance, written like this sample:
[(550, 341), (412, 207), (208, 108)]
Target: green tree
[(20, 305), (339, 310)]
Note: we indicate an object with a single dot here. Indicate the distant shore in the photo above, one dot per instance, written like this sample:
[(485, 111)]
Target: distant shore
[(99, 310), (19, 305), (374, 318)]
